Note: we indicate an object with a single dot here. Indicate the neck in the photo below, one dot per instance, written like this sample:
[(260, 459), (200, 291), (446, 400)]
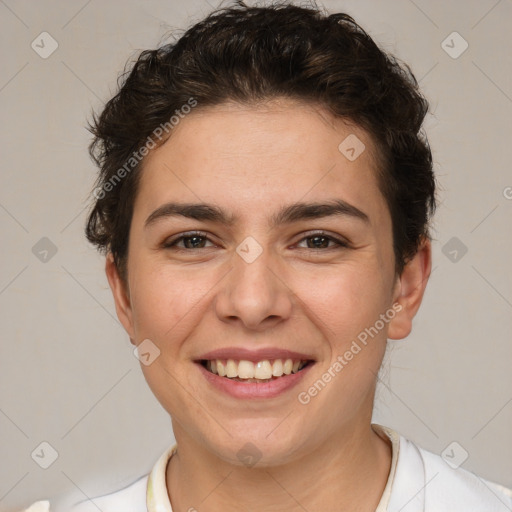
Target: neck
[(350, 477)]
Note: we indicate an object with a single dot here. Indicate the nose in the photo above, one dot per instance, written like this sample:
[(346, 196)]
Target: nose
[(254, 294)]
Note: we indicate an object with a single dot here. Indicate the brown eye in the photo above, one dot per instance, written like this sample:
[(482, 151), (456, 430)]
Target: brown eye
[(190, 241), (322, 241), (318, 242), (193, 242)]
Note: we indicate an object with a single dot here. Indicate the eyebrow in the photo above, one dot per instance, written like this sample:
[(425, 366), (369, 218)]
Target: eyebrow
[(286, 215)]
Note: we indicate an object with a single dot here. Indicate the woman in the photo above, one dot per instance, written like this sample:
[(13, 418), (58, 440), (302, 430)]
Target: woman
[(263, 203)]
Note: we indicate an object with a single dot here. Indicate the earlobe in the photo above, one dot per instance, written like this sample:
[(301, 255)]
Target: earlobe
[(121, 295), (409, 290)]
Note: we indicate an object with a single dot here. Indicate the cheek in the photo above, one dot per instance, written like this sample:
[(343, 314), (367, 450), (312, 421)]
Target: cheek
[(168, 303), (346, 299), (158, 302)]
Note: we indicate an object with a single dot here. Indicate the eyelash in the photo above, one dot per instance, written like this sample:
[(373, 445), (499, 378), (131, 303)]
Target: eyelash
[(171, 244)]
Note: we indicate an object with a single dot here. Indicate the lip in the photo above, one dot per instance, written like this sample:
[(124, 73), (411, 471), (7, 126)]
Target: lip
[(254, 355), (254, 390)]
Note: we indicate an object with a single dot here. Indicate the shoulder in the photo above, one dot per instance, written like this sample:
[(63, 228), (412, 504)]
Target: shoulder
[(132, 496), (455, 486), (425, 477)]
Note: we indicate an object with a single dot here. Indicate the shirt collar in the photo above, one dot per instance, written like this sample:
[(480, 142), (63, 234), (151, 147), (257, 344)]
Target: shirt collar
[(394, 437), (157, 497)]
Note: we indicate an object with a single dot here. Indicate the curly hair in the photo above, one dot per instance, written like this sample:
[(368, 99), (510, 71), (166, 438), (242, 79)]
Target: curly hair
[(251, 54)]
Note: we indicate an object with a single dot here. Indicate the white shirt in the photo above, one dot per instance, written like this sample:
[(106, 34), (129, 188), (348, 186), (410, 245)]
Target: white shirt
[(419, 481)]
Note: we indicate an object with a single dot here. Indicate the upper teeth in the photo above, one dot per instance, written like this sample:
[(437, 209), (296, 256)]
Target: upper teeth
[(248, 370)]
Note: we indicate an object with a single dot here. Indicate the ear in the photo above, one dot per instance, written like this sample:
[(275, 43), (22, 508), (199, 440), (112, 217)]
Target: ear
[(409, 290), (121, 296)]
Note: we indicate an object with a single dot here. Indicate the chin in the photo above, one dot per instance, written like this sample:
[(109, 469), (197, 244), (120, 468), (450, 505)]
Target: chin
[(258, 443)]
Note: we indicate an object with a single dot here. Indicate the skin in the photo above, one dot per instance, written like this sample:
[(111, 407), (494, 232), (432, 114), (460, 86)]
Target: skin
[(250, 161)]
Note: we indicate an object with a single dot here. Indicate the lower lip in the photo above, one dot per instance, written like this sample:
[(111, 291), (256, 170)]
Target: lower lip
[(253, 389)]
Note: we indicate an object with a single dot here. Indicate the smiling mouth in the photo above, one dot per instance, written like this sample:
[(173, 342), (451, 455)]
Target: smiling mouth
[(246, 371)]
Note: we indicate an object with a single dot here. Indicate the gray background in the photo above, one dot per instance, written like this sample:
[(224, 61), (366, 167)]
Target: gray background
[(68, 375)]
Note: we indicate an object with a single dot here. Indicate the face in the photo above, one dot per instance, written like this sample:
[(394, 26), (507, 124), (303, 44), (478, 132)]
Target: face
[(262, 276)]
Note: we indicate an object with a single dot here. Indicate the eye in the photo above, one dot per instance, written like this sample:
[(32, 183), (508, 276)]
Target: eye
[(321, 240), (198, 239), (192, 240)]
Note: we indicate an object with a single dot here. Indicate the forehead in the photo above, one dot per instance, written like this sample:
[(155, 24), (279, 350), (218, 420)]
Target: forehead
[(251, 157)]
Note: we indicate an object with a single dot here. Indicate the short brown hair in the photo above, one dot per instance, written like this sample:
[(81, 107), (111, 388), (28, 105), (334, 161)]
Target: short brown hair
[(249, 54)]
